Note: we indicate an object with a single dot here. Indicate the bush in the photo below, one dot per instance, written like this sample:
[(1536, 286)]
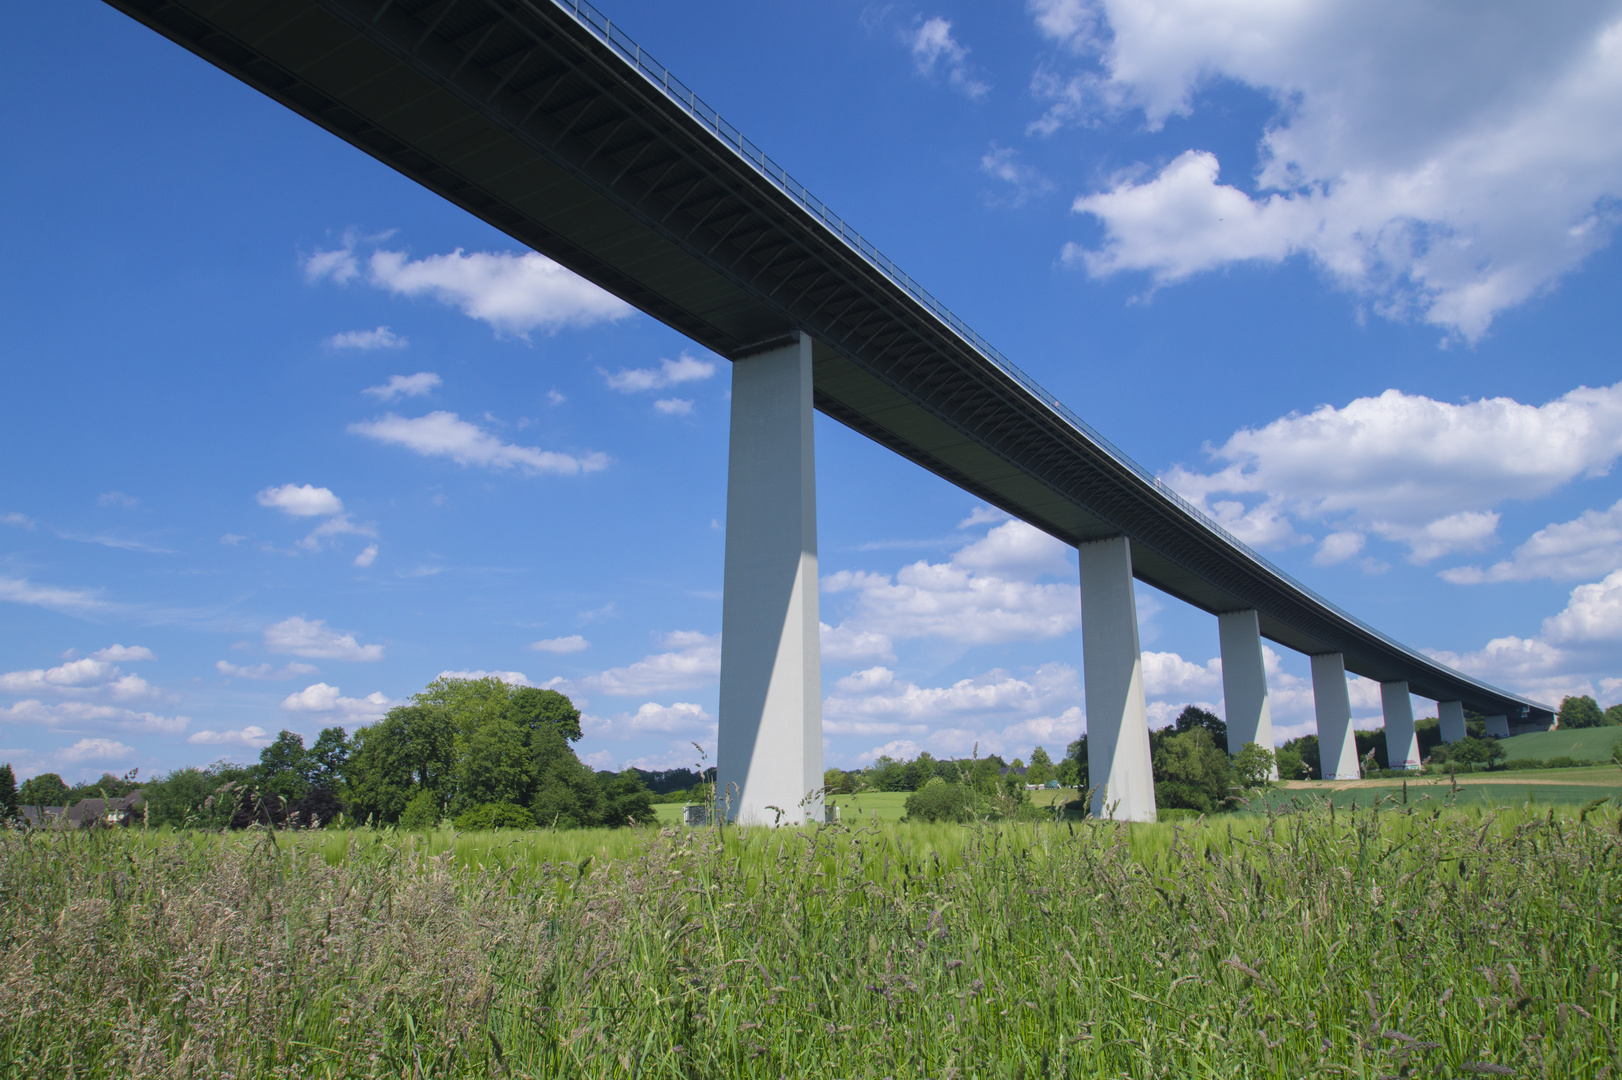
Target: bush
[(496, 815), (421, 811), (939, 800), (1190, 772), (1518, 764), (626, 801), (1253, 764)]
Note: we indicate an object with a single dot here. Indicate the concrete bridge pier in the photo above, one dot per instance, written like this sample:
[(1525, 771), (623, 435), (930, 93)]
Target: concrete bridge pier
[(1499, 726), (1117, 714), (1401, 742), (769, 746), (1244, 682), (1337, 747), (1451, 715)]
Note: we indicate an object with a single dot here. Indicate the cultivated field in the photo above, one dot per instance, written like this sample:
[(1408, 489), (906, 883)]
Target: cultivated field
[(1389, 941)]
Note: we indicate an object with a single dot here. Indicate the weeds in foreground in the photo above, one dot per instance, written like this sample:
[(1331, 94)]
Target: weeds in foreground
[(1418, 941)]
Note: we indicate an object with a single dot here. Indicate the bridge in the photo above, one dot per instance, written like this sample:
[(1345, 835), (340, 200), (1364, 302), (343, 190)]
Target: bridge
[(545, 120)]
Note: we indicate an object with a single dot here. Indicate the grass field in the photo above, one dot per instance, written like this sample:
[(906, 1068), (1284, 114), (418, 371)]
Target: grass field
[(1592, 743), (1418, 941)]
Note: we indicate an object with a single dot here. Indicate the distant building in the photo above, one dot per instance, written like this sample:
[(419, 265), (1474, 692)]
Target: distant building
[(123, 811)]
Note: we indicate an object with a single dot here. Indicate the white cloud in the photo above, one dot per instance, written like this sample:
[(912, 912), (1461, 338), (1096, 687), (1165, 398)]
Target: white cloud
[(21, 521), (264, 671), (514, 293), (367, 556), (876, 702), (983, 515), (1002, 163), (96, 750), (301, 500), (511, 678), (692, 660), (381, 338), (674, 406), (321, 698), (250, 736), (571, 644), (1338, 547), (682, 716), (314, 641), (341, 525), (685, 368), (1588, 545), (73, 715), (1411, 469), (847, 645), (444, 434), (117, 498), (124, 653), (986, 593), (933, 47), (51, 597), (1166, 673), (1594, 613), (1448, 164), (417, 385), (85, 678)]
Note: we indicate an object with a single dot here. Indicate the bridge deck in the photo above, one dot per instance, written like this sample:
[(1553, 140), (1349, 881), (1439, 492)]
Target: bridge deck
[(544, 120)]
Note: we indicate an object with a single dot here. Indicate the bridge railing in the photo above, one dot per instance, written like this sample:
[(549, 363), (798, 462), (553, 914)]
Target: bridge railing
[(685, 98)]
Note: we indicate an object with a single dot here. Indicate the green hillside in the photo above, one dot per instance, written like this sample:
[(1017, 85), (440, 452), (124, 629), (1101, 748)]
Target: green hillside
[(1593, 743)]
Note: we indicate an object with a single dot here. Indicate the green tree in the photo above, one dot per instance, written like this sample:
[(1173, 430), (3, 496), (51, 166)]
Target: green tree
[(1253, 764), (1076, 753), (1193, 717), (1613, 715), (626, 800), (1580, 712), (1473, 751), (1040, 770), (8, 793), (467, 702), (1189, 771), (1067, 774), (1290, 765), (1306, 750), (46, 789), (567, 794), (837, 782), (195, 798), (497, 815), (284, 768), (534, 708), (329, 759), (412, 748), (421, 810), (494, 767), (939, 800)]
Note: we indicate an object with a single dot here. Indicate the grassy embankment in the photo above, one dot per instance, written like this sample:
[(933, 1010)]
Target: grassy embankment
[(1417, 941)]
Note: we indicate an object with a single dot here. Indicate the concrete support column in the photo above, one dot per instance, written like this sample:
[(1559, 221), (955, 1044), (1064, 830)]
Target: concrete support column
[(1451, 715), (1117, 716), (1499, 726), (1401, 743), (769, 751), (1337, 747), (1244, 682)]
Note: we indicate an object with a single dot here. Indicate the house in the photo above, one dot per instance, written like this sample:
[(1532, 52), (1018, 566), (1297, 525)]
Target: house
[(43, 817), (122, 811)]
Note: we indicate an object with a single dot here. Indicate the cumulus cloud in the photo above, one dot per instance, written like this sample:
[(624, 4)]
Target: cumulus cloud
[(321, 698), (935, 50), (96, 750), (417, 385), (367, 556), (444, 434), (986, 593), (301, 500), (513, 293), (1024, 181), (571, 644), (1449, 166), (1592, 614), (511, 678), (692, 660), (381, 338), (876, 702), (652, 717), (684, 369), (674, 406), (1410, 469), (291, 670), (1588, 545), (88, 678), (313, 640), (124, 653), (251, 736), (848, 645)]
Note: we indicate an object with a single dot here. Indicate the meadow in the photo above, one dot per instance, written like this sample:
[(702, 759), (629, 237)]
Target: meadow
[(1423, 940)]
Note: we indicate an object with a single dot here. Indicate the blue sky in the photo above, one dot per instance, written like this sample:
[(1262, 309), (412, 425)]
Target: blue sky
[(287, 437)]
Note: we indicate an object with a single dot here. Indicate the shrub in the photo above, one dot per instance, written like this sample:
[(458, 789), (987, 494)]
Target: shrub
[(1517, 764), (1190, 772), (1565, 761), (1253, 764), (939, 800), (496, 815), (421, 811)]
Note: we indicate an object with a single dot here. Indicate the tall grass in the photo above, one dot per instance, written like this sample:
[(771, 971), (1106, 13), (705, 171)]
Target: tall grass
[(1409, 941)]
